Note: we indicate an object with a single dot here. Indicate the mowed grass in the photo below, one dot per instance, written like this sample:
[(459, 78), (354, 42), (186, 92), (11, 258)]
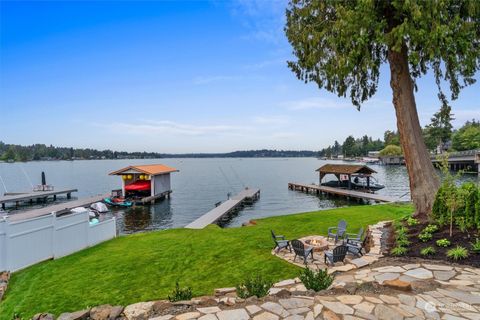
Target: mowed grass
[(145, 266)]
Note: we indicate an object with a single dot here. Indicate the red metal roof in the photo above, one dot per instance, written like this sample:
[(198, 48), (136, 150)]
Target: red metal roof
[(153, 169)]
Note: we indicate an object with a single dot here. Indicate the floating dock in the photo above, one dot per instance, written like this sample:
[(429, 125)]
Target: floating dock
[(60, 208), (313, 188), (225, 208), (39, 196)]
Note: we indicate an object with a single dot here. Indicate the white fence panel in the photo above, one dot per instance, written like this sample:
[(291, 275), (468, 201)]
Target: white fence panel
[(29, 241), (101, 232), (71, 234)]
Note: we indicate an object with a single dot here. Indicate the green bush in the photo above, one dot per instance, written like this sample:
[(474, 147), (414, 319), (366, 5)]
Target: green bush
[(443, 243), (476, 246), (403, 242), (254, 286), (472, 204), (412, 221), (457, 253), (180, 294), (425, 236), (316, 281), (428, 251), (431, 228), (399, 251)]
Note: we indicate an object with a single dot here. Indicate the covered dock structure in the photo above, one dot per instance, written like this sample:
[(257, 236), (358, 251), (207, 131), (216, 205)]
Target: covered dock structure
[(147, 183), (345, 172)]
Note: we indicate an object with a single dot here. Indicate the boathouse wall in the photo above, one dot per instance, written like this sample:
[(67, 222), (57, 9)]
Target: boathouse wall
[(53, 237), (161, 183)]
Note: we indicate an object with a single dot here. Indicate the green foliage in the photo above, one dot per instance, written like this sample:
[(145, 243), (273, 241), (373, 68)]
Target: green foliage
[(431, 228), (316, 281), (443, 243), (467, 137), (340, 45), (439, 131), (412, 221), (254, 286), (180, 294), (399, 251), (459, 204), (476, 246), (472, 204), (391, 150), (425, 236), (403, 242), (428, 251), (457, 253)]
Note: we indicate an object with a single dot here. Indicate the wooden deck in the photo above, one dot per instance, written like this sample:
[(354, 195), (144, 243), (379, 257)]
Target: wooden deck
[(58, 208), (214, 215), (313, 188), (36, 195)]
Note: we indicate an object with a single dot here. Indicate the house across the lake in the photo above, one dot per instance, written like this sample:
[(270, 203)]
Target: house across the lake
[(145, 183)]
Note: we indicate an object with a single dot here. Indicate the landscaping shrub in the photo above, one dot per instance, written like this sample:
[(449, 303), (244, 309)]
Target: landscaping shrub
[(254, 286), (472, 204), (316, 281), (412, 222), (180, 294), (425, 236), (456, 204), (431, 228), (457, 253), (476, 246), (399, 251), (428, 251), (403, 242), (443, 243)]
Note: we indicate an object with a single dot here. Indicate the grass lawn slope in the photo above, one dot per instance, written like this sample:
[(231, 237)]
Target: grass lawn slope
[(145, 266)]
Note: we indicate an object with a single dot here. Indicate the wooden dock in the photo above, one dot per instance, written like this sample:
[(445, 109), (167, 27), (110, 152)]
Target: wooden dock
[(225, 208), (60, 208), (314, 188), (39, 196)]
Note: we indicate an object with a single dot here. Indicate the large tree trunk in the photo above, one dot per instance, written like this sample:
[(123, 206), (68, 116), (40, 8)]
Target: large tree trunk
[(424, 182)]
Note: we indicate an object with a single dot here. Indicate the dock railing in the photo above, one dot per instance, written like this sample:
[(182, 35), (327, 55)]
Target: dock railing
[(27, 242)]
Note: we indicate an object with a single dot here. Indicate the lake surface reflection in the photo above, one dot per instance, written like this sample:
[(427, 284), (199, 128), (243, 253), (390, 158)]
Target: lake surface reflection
[(198, 186)]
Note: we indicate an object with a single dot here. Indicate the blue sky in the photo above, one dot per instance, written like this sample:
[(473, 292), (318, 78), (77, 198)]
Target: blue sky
[(171, 76)]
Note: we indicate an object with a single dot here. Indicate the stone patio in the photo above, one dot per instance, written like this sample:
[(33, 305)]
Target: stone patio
[(371, 289), (434, 292), (376, 249)]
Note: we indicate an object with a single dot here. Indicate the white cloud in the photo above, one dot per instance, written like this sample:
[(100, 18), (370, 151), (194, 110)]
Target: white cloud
[(271, 120), (316, 103), (328, 103), (461, 116), (174, 128)]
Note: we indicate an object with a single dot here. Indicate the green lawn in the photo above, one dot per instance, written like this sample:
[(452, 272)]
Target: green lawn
[(145, 266)]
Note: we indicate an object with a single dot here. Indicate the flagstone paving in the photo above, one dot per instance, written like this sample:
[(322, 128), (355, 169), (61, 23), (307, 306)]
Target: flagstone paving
[(439, 291), (387, 289)]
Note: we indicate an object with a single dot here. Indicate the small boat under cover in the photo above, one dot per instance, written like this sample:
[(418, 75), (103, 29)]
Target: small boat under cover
[(118, 202)]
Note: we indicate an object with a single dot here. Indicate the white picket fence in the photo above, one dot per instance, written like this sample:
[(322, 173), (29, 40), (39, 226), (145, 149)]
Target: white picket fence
[(24, 243)]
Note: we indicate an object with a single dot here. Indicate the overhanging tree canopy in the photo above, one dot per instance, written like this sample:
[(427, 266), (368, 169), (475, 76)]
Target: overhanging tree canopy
[(340, 45)]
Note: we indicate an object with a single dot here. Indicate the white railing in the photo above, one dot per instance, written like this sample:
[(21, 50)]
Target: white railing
[(27, 242)]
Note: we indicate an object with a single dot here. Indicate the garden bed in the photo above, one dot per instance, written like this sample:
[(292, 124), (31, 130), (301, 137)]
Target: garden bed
[(458, 238)]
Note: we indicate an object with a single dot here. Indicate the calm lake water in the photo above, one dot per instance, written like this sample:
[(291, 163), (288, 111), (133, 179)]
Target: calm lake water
[(198, 186)]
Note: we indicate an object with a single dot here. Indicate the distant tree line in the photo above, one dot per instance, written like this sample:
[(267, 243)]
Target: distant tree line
[(439, 133), (13, 152)]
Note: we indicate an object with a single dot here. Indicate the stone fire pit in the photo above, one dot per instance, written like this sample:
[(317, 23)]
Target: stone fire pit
[(319, 243)]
